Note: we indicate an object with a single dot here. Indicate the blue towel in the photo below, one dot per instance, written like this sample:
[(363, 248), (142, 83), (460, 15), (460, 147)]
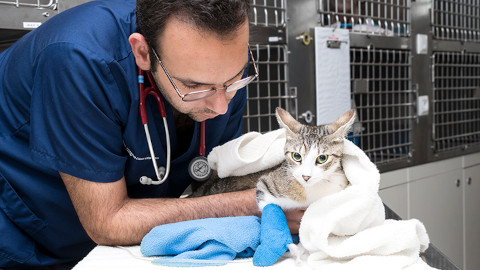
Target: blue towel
[(212, 240), (275, 236)]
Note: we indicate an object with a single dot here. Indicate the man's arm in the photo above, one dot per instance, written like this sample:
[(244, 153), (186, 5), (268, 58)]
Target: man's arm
[(110, 217)]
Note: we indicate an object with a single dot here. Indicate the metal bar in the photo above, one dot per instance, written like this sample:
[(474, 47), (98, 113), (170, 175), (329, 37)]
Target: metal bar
[(17, 3), (368, 17)]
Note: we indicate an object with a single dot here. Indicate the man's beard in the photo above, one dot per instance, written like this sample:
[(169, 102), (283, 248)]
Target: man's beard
[(197, 116)]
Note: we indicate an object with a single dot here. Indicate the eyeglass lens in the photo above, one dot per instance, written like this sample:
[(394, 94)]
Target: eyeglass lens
[(206, 93)]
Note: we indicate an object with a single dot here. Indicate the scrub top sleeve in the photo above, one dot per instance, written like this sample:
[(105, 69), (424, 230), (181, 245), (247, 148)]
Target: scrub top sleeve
[(74, 128)]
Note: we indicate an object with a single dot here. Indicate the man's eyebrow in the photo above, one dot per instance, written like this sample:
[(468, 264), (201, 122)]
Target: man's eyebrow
[(189, 81)]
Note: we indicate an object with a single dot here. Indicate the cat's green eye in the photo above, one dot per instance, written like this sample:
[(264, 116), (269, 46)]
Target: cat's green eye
[(296, 157), (322, 159)]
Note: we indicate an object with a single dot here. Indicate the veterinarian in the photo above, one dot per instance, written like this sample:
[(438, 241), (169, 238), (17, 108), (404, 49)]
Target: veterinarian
[(72, 143)]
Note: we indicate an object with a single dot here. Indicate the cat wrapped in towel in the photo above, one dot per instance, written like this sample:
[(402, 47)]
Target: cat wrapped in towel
[(311, 169)]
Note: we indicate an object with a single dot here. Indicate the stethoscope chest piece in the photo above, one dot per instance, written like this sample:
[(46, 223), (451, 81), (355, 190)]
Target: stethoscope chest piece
[(198, 169)]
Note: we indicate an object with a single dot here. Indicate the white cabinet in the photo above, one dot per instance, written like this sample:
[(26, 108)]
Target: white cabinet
[(437, 202), (445, 196), (472, 217), (394, 191), (396, 198)]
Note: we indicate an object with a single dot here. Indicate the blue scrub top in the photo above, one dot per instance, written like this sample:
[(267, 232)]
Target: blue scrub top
[(69, 103)]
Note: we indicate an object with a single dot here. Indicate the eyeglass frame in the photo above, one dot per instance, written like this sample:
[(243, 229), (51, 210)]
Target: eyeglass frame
[(250, 79)]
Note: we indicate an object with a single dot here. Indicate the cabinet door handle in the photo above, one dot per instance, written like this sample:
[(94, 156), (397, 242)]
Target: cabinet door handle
[(458, 183), (469, 181)]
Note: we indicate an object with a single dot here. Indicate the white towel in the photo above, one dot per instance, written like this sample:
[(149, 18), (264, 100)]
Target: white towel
[(251, 152), (347, 230)]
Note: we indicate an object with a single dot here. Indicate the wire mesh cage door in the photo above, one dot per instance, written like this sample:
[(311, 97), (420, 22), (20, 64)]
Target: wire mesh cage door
[(456, 91), (383, 98), (270, 90), (456, 20)]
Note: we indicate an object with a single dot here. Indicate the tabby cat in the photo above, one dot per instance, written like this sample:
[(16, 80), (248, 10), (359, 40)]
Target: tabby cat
[(312, 168)]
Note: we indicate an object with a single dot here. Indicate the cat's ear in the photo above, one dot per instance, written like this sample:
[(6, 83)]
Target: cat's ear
[(342, 125), (286, 121)]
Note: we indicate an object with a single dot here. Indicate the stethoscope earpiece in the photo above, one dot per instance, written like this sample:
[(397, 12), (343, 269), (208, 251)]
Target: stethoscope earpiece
[(144, 180)]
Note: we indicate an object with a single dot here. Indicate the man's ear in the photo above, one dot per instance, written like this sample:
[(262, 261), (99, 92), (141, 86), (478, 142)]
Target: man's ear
[(140, 50)]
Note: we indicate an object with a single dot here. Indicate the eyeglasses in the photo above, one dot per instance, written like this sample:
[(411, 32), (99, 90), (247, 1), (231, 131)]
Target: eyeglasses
[(201, 94)]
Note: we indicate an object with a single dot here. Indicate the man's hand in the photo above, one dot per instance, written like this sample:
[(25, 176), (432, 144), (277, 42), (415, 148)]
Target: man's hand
[(294, 216)]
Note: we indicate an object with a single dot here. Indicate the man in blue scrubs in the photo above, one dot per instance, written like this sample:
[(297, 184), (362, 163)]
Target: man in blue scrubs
[(72, 145)]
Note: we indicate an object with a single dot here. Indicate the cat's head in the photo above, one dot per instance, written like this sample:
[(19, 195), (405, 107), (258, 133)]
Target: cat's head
[(314, 152)]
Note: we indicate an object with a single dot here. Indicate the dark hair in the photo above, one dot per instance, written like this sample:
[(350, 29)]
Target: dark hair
[(221, 17)]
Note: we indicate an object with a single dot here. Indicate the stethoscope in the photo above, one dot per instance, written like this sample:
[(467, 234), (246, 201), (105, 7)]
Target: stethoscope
[(198, 168)]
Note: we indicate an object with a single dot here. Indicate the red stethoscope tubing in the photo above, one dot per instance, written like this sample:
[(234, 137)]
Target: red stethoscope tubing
[(144, 92), (153, 90), (201, 143)]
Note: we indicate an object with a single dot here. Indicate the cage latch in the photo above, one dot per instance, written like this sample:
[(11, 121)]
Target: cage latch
[(334, 44)]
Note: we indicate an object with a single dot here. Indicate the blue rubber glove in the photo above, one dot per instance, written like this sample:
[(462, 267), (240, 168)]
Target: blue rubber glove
[(274, 236)]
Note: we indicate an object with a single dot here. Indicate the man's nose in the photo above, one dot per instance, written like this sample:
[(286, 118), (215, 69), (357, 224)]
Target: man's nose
[(218, 102)]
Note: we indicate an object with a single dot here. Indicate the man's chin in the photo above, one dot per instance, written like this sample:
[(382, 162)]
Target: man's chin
[(196, 118), (200, 117)]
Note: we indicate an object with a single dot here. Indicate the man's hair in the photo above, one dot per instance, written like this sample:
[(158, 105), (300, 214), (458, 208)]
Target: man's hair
[(221, 17)]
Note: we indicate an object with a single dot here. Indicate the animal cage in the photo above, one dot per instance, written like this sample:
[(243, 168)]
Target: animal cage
[(381, 81), (25, 15), (456, 91), (268, 44), (374, 17), (383, 99), (270, 90), (268, 13), (20, 15), (456, 20), (381, 88), (455, 63), (384, 67), (32, 3)]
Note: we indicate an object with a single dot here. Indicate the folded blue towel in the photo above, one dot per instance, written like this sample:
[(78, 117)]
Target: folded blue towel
[(213, 239)]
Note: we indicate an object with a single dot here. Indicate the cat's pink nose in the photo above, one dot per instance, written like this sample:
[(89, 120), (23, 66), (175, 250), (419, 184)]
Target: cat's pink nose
[(305, 177)]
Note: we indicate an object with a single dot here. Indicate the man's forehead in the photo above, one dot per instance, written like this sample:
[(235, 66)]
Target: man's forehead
[(180, 30)]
